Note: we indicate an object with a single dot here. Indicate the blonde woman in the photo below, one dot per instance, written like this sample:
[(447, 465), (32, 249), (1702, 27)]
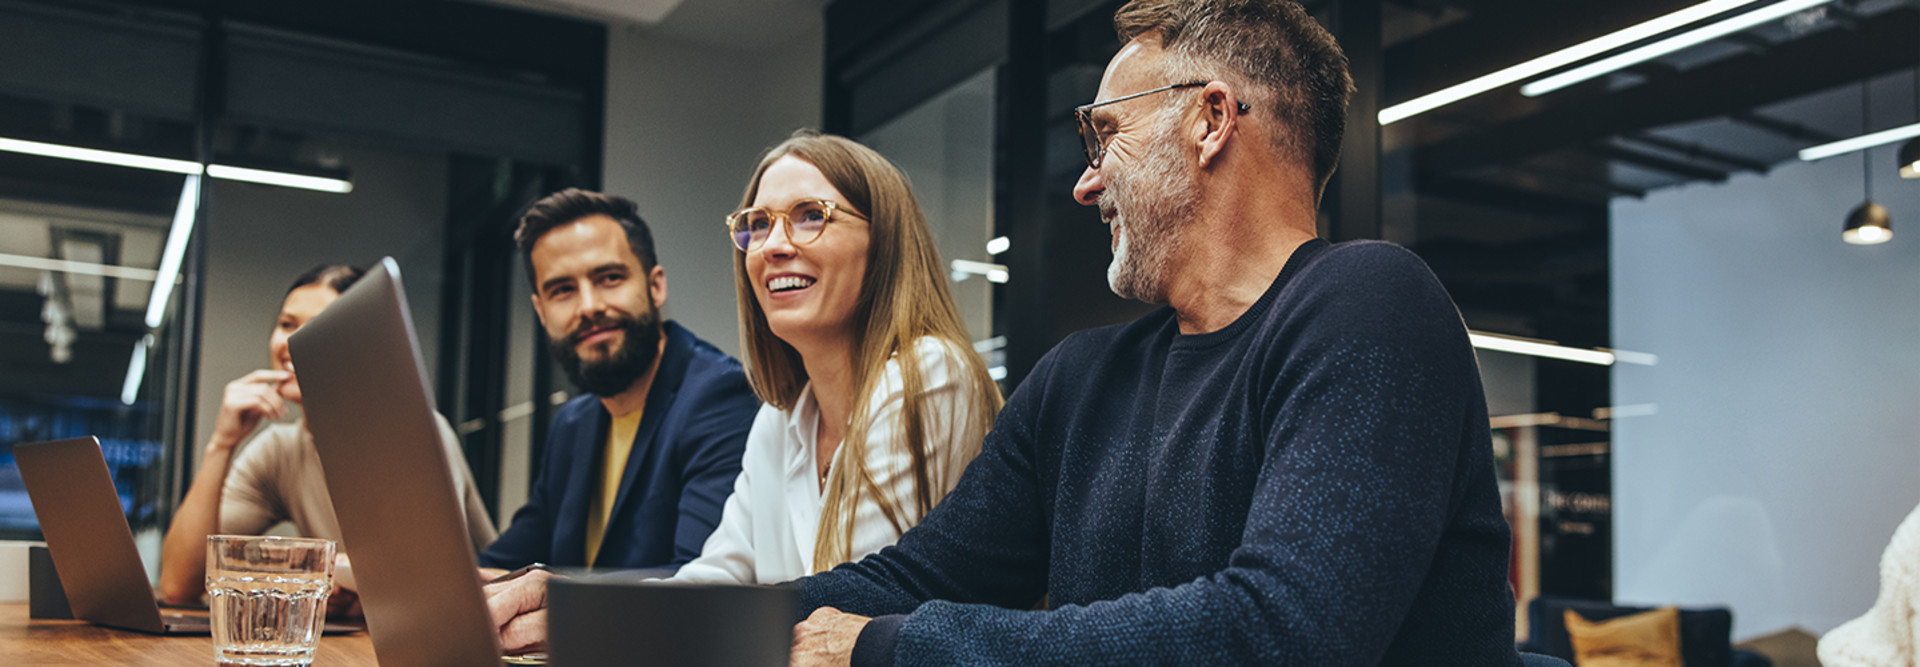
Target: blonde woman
[(875, 400)]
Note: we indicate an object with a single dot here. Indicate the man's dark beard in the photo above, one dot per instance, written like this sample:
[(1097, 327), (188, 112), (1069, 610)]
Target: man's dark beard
[(623, 366)]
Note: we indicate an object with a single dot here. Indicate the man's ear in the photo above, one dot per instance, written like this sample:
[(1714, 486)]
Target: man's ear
[(657, 285), (1220, 113)]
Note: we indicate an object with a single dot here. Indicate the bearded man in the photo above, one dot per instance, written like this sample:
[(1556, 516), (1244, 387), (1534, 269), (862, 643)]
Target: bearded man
[(637, 469)]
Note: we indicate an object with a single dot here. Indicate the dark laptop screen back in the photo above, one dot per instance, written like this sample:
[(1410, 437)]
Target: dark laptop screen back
[(605, 622), (87, 533), (368, 406)]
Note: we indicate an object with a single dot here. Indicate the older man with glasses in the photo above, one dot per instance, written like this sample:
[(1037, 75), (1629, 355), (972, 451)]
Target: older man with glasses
[(1290, 464)]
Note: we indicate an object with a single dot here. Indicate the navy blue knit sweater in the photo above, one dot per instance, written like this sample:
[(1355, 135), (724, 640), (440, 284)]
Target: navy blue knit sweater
[(1311, 485)]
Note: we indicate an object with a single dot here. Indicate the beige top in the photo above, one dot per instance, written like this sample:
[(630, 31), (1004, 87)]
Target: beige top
[(1889, 632), (277, 477)]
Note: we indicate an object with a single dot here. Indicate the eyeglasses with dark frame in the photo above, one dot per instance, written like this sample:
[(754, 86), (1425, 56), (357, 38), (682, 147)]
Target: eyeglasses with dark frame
[(1090, 138), (750, 227)]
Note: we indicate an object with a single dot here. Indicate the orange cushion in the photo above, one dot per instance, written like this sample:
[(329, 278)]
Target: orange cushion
[(1646, 639)]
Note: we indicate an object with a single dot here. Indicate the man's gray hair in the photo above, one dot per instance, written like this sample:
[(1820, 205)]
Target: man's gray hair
[(1277, 57)]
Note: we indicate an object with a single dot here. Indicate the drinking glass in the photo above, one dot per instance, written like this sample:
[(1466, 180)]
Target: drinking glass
[(267, 597)]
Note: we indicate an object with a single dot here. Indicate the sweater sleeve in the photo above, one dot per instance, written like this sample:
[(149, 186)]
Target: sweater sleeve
[(1364, 415)]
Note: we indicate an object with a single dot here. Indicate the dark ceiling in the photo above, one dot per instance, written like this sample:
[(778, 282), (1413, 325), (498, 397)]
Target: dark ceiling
[(1510, 193)]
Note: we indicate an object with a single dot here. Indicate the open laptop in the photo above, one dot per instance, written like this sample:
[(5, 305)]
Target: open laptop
[(88, 537), (371, 414), (91, 544)]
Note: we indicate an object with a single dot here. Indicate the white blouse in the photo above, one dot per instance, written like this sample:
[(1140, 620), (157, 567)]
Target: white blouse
[(767, 530)]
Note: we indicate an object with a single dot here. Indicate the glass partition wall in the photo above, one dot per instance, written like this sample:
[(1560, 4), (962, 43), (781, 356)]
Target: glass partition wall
[(217, 151), (945, 146), (76, 282)]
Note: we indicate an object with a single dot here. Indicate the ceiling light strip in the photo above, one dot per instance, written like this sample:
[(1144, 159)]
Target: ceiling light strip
[(1861, 142), (1534, 348), (173, 166), (136, 371), (99, 156), (1557, 59), (1669, 45), (82, 268), (280, 178), (176, 249)]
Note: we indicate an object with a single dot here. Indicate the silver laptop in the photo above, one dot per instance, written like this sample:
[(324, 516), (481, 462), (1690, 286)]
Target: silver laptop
[(371, 414), (88, 537), (91, 544)]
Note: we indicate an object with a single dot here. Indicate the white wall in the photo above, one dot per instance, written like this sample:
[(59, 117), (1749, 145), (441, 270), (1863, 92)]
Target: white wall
[(261, 237), (686, 123), (1786, 443)]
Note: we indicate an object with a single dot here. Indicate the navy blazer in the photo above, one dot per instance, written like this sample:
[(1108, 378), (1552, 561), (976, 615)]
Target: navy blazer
[(685, 457)]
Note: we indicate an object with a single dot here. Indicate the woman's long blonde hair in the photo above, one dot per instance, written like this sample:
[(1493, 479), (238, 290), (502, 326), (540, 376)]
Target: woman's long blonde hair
[(903, 298)]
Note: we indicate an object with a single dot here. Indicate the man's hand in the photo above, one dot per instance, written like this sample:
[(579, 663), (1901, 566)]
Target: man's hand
[(519, 609), (343, 602), (826, 638)]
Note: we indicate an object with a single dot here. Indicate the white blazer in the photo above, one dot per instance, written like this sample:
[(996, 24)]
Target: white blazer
[(767, 530)]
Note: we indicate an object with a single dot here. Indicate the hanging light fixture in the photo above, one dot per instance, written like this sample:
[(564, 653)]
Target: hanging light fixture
[(1869, 223)]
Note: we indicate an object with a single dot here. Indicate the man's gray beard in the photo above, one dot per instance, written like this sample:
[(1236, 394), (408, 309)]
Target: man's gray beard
[(1152, 201)]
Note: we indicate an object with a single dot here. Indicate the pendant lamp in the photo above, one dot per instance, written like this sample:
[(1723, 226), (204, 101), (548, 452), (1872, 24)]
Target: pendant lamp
[(1869, 223)]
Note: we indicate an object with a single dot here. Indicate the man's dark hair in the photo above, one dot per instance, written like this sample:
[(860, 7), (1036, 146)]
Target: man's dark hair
[(1298, 70), (337, 277), (572, 204)]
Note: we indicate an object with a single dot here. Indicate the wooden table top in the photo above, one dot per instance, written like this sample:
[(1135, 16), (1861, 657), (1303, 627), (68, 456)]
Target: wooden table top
[(26, 641)]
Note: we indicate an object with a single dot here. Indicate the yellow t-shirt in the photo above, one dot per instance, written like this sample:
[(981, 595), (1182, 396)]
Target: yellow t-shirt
[(614, 466)]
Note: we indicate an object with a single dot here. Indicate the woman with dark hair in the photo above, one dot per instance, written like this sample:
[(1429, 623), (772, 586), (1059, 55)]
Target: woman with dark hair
[(875, 399), (253, 477)]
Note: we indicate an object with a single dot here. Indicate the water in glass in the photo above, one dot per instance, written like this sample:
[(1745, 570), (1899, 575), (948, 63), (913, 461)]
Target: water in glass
[(268, 600)]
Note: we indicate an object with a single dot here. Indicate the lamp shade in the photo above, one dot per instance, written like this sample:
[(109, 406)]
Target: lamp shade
[(1868, 224), (1910, 158)]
